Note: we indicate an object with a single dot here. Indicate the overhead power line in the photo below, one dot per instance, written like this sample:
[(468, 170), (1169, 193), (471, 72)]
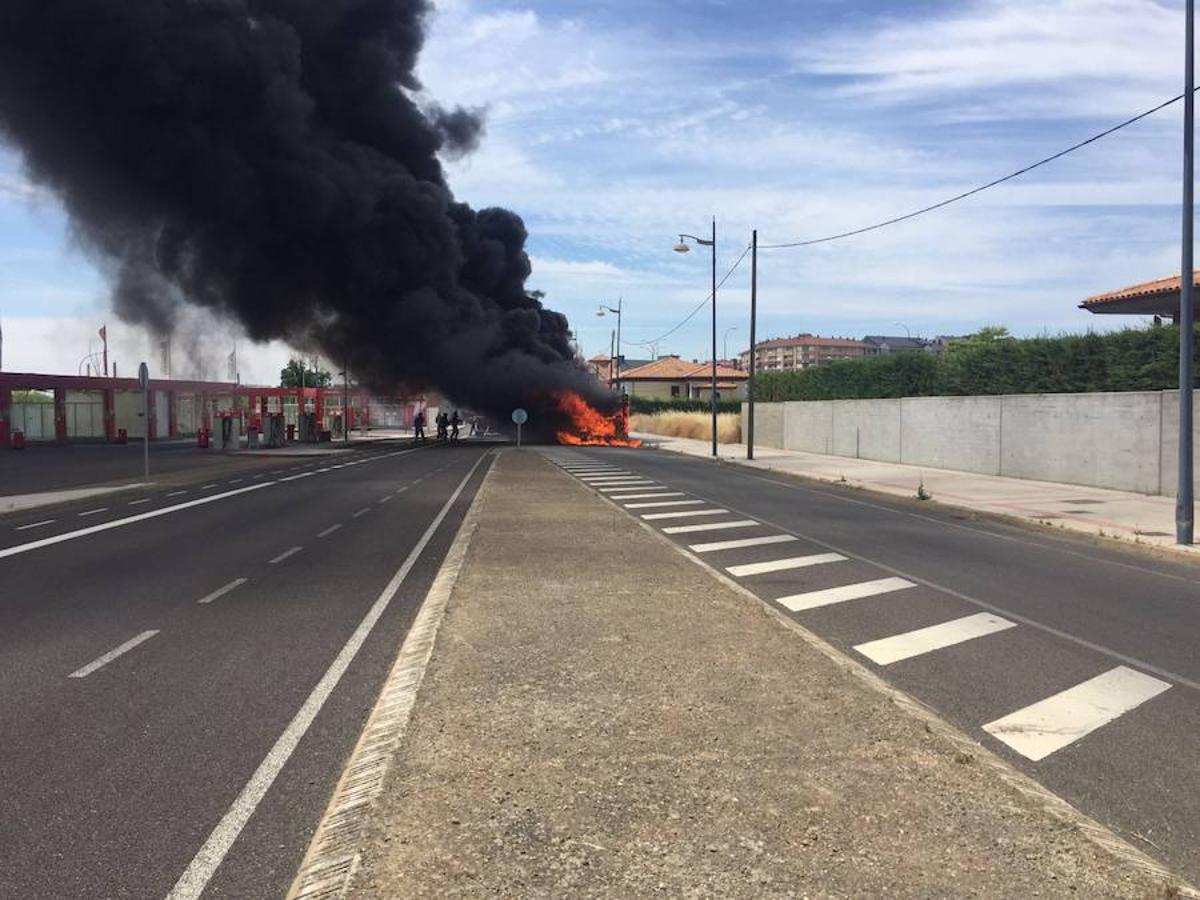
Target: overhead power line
[(983, 187), (703, 303)]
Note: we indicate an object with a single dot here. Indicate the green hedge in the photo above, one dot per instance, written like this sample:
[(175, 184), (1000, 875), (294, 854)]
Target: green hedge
[(992, 363), (648, 405)]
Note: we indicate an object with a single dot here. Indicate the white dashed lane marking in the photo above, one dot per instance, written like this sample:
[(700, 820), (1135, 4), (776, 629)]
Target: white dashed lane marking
[(782, 565), (886, 651), (112, 654), (710, 526), (139, 502), (92, 512), (715, 511), (330, 530), (829, 596), (663, 503), (222, 591), (742, 542), (175, 493), (284, 555), (35, 525), (1051, 724), (362, 512)]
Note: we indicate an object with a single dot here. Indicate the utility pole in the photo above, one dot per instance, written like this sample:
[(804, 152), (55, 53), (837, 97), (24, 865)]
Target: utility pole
[(713, 399), (1185, 509), (753, 322), (346, 402)]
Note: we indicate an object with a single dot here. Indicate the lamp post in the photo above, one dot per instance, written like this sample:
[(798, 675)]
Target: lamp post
[(725, 342), (907, 333), (1185, 510), (682, 247), (606, 310)]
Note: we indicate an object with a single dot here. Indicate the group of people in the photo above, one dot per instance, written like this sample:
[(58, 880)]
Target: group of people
[(447, 426)]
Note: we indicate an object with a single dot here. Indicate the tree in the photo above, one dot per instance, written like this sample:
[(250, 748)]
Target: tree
[(298, 374)]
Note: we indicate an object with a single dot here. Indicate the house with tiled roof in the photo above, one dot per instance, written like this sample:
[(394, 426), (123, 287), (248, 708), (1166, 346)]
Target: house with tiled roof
[(801, 351), (1159, 297), (672, 378)]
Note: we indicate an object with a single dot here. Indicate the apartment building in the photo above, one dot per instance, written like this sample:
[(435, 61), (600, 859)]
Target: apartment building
[(801, 351)]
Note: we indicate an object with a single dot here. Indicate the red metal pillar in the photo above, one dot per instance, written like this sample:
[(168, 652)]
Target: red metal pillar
[(5, 416), (203, 415), (110, 415), (172, 414), (151, 413), (60, 415)]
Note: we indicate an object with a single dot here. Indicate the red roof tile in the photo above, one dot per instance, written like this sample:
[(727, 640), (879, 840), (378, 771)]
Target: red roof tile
[(671, 368), (1168, 285)]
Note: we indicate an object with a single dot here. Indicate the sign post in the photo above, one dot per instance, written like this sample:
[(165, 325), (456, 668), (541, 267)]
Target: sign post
[(519, 417), (144, 383)]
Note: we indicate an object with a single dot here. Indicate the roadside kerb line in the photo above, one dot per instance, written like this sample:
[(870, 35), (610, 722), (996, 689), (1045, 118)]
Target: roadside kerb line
[(684, 515), (710, 526), (284, 555), (741, 542), (200, 870), (222, 591), (330, 530), (783, 565), (112, 654), (888, 650), (1051, 724), (35, 525), (829, 596)]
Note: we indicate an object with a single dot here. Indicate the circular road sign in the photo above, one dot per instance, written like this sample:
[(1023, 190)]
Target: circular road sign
[(519, 416)]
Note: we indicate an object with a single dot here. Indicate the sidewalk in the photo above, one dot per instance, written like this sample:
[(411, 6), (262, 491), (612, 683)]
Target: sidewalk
[(1137, 518), (602, 717)]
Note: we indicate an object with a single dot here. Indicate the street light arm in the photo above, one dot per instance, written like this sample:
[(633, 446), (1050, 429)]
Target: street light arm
[(703, 242)]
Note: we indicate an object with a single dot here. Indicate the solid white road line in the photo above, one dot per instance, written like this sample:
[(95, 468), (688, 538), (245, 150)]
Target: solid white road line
[(196, 877), (662, 492), (112, 654), (139, 502), (284, 555), (92, 512), (710, 526), (829, 596), (663, 503), (34, 525), (781, 565), (361, 512), (295, 477), (330, 530), (741, 542), (1051, 724), (715, 511), (886, 651), (221, 592)]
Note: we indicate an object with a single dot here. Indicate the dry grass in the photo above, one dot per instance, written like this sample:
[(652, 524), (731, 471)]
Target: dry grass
[(694, 425)]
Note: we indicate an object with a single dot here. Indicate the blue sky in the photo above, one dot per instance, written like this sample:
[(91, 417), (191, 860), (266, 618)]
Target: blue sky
[(613, 126)]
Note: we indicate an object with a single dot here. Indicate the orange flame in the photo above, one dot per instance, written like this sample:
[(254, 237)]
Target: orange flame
[(592, 428)]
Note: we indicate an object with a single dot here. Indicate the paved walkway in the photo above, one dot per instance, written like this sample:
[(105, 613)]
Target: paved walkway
[(604, 718), (1137, 518)]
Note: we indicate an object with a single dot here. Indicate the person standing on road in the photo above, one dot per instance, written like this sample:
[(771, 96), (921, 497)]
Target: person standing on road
[(442, 421), (455, 422), (419, 426)]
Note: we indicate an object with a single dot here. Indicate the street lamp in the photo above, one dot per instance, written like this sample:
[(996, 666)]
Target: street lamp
[(606, 310), (907, 333), (682, 247), (725, 342)]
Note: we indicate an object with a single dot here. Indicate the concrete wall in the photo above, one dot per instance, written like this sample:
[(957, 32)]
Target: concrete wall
[(1123, 441)]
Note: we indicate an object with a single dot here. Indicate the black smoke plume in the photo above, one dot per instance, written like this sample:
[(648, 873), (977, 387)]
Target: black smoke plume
[(271, 160)]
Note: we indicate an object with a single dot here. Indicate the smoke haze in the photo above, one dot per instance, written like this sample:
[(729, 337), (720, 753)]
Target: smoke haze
[(267, 160)]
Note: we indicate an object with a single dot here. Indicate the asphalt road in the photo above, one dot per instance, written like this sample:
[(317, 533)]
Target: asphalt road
[(1076, 661), (134, 715)]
